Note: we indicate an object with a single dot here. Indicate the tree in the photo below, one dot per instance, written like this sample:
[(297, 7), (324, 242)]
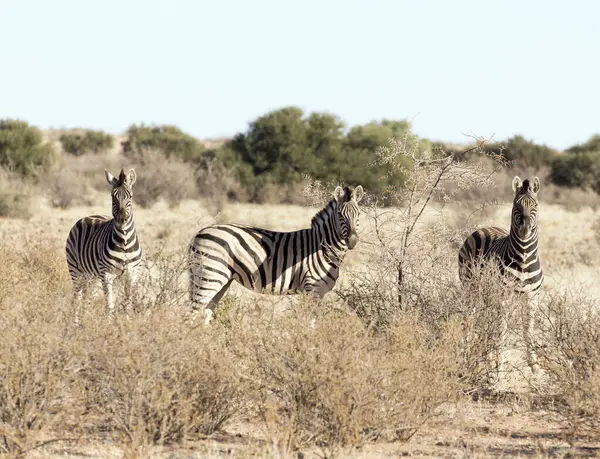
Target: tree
[(23, 150), (282, 146), (592, 144), (577, 170), (77, 143), (169, 140)]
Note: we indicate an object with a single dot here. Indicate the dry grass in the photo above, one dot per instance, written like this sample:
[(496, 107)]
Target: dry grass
[(317, 377), (353, 376), (149, 384), (570, 355)]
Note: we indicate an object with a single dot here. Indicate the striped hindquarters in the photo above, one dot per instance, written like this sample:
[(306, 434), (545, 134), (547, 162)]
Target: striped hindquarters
[(483, 244)]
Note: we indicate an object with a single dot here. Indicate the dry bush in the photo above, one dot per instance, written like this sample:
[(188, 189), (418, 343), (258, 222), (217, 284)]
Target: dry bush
[(401, 231), (571, 199), (142, 380), (280, 194), (413, 259), (148, 382), (159, 177), (218, 185), (65, 188), (411, 243), (35, 363), (329, 383), (15, 195), (162, 281), (570, 356)]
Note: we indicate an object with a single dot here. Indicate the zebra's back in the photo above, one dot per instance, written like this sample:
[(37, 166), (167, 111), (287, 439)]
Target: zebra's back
[(480, 243), (259, 259)]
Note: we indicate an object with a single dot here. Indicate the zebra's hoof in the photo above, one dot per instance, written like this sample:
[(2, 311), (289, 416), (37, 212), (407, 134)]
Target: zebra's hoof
[(208, 314)]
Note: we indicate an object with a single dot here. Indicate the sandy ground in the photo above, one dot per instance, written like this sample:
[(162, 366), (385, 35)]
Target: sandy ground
[(473, 429)]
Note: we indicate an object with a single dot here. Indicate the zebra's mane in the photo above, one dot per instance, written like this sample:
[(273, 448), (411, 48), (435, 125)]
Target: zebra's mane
[(324, 213)]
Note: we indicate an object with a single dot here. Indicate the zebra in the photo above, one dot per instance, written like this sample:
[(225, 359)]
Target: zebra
[(103, 247), (303, 261), (517, 254)]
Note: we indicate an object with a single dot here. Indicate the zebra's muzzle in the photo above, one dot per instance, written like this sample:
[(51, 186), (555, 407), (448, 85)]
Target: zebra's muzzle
[(524, 232), (352, 241), (121, 216), (525, 228)]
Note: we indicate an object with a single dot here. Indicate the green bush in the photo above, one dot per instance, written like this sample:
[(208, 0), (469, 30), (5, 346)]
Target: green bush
[(592, 144), (87, 142), (169, 140), (280, 146), (577, 170), (22, 148), (364, 161), (284, 146)]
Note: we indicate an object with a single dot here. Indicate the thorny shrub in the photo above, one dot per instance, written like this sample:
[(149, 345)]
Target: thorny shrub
[(142, 380), (35, 362), (151, 383), (318, 377), (570, 356)]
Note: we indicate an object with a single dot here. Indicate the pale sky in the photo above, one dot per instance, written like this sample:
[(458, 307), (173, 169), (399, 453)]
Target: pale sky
[(454, 67)]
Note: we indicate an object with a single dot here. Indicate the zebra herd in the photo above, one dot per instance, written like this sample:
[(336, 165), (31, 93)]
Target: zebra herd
[(304, 261)]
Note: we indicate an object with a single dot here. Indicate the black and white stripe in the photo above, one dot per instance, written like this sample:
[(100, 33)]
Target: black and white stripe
[(103, 247), (304, 261), (517, 252)]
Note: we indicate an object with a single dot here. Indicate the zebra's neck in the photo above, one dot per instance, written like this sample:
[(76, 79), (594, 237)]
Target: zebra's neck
[(328, 235), (124, 234), (523, 250)]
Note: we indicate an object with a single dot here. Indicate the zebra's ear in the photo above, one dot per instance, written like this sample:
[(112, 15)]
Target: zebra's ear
[(338, 194), (130, 178), (517, 183), (536, 185), (112, 181), (358, 193)]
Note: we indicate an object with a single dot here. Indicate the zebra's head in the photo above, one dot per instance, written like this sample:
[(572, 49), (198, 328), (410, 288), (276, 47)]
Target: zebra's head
[(122, 194), (525, 207), (348, 212)]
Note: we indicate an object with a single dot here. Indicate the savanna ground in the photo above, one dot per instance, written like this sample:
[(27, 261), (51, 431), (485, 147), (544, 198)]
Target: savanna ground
[(377, 369)]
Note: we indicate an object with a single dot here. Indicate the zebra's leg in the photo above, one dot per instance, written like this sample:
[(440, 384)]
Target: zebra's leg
[(79, 288), (107, 284), (130, 278), (206, 288), (206, 304), (500, 361), (531, 308), (316, 292)]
